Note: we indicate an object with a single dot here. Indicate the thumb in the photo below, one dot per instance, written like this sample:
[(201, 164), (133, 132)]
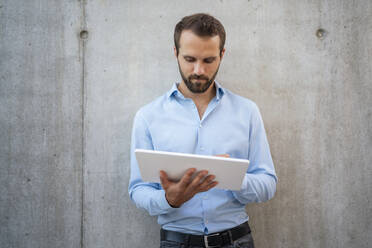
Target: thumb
[(164, 179), (223, 155)]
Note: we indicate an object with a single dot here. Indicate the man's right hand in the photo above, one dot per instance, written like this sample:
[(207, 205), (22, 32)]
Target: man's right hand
[(180, 192)]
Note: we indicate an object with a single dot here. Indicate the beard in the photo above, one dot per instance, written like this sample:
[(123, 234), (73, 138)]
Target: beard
[(201, 84)]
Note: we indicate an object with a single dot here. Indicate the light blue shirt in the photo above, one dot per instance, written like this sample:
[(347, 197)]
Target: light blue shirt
[(231, 124)]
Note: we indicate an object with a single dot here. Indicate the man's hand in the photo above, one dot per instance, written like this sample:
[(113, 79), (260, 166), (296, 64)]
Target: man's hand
[(180, 192)]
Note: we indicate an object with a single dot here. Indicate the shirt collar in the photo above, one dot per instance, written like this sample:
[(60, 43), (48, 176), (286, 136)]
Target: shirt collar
[(174, 90), (219, 91)]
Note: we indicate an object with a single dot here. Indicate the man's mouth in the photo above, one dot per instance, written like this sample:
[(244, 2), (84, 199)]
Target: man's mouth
[(199, 79)]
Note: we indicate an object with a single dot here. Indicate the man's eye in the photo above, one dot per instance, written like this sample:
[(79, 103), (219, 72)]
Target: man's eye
[(189, 59), (208, 61)]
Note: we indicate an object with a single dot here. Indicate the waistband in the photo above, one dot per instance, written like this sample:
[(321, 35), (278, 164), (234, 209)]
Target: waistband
[(212, 240)]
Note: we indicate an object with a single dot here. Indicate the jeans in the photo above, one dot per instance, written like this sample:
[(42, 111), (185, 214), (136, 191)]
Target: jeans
[(244, 242)]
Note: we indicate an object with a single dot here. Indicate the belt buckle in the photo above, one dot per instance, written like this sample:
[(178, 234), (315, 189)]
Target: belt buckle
[(206, 240)]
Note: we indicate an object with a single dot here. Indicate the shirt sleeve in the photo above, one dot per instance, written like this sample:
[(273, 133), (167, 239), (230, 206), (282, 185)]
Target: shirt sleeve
[(259, 183), (148, 196)]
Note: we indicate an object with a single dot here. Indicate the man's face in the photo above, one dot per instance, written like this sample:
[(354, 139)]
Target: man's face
[(198, 60)]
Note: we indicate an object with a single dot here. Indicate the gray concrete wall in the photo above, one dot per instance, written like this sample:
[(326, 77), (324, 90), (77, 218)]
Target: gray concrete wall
[(67, 104), (40, 124)]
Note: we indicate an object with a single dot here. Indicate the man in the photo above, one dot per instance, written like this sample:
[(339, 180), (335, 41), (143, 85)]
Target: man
[(199, 116)]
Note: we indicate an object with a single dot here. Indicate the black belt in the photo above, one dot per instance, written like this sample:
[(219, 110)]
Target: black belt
[(212, 240)]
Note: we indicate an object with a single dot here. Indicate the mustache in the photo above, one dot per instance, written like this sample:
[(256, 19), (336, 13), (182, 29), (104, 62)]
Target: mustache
[(194, 76)]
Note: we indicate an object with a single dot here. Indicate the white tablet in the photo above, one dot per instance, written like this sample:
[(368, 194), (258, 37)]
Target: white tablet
[(229, 172)]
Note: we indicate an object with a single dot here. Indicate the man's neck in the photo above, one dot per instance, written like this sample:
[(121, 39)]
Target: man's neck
[(201, 100)]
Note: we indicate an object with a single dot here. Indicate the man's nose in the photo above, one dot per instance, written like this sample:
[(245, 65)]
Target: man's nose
[(198, 69)]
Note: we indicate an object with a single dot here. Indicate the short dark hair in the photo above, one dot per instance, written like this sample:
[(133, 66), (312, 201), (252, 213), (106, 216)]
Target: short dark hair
[(202, 25)]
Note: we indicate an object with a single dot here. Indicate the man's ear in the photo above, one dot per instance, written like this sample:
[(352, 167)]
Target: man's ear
[(222, 53), (175, 52)]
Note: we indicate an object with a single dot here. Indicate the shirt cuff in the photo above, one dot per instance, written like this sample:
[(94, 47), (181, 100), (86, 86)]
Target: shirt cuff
[(163, 203)]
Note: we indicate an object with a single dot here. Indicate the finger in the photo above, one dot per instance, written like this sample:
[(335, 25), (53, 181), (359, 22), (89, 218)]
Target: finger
[(208, 180), (209, 186), (223, 155), (186, 178), (199, 179), (164, 179), (212, 185)]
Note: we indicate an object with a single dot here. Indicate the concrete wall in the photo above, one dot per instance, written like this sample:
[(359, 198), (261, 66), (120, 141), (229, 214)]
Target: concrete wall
[(40, 124), (67, 102)]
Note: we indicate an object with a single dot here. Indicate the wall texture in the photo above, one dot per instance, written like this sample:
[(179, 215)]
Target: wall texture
[(40, 124), (67, 101)]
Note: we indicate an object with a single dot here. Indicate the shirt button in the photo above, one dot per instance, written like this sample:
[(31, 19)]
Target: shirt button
[(200, 125)]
